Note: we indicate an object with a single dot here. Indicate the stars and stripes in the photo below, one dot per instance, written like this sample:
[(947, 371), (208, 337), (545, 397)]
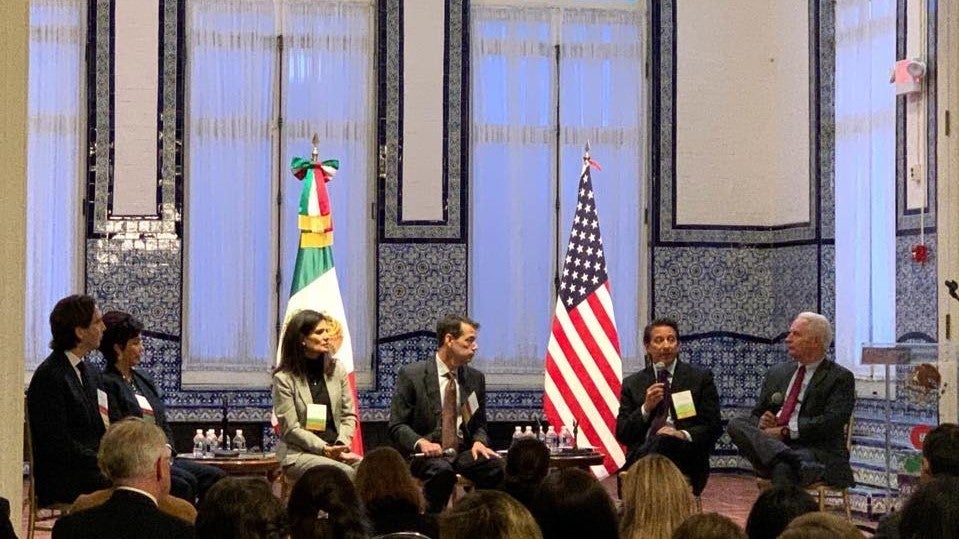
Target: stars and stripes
[(583, 365)]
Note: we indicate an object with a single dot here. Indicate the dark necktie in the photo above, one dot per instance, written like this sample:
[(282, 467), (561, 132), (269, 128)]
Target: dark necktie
[(449, 413), (82, 369), (790, 405)]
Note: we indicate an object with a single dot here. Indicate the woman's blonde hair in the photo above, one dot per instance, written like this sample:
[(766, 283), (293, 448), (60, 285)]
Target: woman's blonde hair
[(656, 499)]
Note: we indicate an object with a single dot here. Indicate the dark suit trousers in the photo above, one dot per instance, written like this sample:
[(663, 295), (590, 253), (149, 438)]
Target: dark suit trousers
[(770, 456), (439, 476)]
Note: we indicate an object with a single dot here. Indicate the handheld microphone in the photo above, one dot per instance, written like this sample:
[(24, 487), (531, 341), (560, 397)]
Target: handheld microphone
[(448, 452), (658, 369), (775, 402)]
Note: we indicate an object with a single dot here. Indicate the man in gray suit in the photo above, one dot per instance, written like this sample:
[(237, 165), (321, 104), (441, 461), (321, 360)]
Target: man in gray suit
[(439, 415), (795, 434)]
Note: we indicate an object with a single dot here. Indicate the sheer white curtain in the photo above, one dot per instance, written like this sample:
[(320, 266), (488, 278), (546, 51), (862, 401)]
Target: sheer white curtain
[(865, 177), (514, 102), (229, 231), (328, 75), (232, 237), (54, 164)]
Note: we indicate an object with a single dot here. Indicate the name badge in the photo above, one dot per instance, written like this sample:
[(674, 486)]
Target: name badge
[(104, 407), (316, 417), (148, 413), (683, 403), (469, 407)]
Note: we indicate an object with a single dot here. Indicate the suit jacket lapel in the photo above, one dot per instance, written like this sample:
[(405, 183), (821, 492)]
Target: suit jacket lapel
[(432, 384), (302, 389), (333, 390)]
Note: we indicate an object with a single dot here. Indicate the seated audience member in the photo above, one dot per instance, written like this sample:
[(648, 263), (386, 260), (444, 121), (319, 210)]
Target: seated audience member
[(820, 526), (134, 455), (391, 496), (527, 464), (489, 514), (647, 421), (940, 458), (708, 526), (308, 374), (171, 505), (6, 527), (572, 503), (131, 391), (62, 409), (324, 504), (795, 434), (775, 508), (656, 499), (427, 415), (932, 512), (241, 508)]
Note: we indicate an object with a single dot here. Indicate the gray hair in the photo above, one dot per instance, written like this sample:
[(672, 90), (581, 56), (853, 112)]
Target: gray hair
[(819, 325), (130, 449)]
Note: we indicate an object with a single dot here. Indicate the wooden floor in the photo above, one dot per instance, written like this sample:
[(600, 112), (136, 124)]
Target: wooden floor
[(727, 494)]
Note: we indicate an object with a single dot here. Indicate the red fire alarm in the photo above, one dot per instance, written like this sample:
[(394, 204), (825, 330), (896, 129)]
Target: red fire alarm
[(920, 253)]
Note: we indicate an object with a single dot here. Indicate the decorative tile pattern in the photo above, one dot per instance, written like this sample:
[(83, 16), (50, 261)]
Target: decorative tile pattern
[(139, 274), (456, 97), (417, 284), (916, 284)]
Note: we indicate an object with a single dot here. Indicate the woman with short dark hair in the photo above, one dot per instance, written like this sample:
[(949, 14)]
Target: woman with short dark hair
[(324, 505)]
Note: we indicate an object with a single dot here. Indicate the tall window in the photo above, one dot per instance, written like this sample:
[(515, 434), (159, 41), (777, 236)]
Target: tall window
[(237, 236), (538, 71), (54, 163), (865, 177)]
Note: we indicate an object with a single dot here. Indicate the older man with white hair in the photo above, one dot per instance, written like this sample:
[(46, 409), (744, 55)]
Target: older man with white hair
[(134, 455), (795, 434)]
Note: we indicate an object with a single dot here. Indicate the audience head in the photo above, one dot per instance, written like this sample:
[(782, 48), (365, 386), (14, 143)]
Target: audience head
[(775, 508), (932, 512), (940, 451), (489, 514), (134, 453), (527, 464), (76, 323), (299, 340), (572, 503), (121, 329), (820, 526), (656, 498), (383, 479), (324, 503), (241, 508), (810, 335), (708, 526)]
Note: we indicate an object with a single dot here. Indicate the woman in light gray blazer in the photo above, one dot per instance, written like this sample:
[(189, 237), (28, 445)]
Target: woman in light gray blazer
[(309, 379)]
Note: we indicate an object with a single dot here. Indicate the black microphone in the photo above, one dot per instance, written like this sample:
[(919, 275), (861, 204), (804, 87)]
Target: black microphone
[(658, 367), (775, 402), (448, 452)]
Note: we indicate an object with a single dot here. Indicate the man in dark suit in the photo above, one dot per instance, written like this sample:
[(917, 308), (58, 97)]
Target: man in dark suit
[(135, 456), (795, 434), (65, 421), (653, 413), (440, 404)]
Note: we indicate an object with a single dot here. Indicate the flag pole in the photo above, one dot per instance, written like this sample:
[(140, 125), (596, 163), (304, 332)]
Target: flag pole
[(557, 185)]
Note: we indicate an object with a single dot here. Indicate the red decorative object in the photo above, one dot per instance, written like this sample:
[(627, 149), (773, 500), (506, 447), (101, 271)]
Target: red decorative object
[(920, 253), (918, 435)]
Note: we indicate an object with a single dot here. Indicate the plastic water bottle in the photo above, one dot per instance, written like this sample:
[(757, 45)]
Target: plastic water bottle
[(239, 442), (517, 434), (210, 441), (552, 439), (199, 441), (528, 433), (565, 439)]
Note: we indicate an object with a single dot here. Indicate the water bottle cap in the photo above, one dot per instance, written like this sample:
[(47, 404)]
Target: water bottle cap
[(239, 432), (199, 431)]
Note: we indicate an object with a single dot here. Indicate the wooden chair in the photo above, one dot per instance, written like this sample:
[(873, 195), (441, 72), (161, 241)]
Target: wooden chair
[(40, 518), (820, 489)]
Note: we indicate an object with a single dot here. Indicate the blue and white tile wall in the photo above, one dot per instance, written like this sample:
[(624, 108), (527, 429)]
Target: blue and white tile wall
[(734, 291)]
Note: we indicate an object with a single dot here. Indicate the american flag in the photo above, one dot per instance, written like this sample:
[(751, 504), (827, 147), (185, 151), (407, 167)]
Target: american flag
[(584, 371)]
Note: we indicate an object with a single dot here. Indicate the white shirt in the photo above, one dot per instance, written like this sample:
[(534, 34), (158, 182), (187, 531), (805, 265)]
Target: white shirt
[(794, 418), (74, 361), (138, 491)]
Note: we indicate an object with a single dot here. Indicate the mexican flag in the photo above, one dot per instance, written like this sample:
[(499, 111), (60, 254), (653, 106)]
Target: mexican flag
[(315, 285)]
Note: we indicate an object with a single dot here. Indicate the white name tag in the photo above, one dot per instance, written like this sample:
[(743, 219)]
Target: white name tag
[(469, 407), (683, 403), (104, 406), (316, 417)]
